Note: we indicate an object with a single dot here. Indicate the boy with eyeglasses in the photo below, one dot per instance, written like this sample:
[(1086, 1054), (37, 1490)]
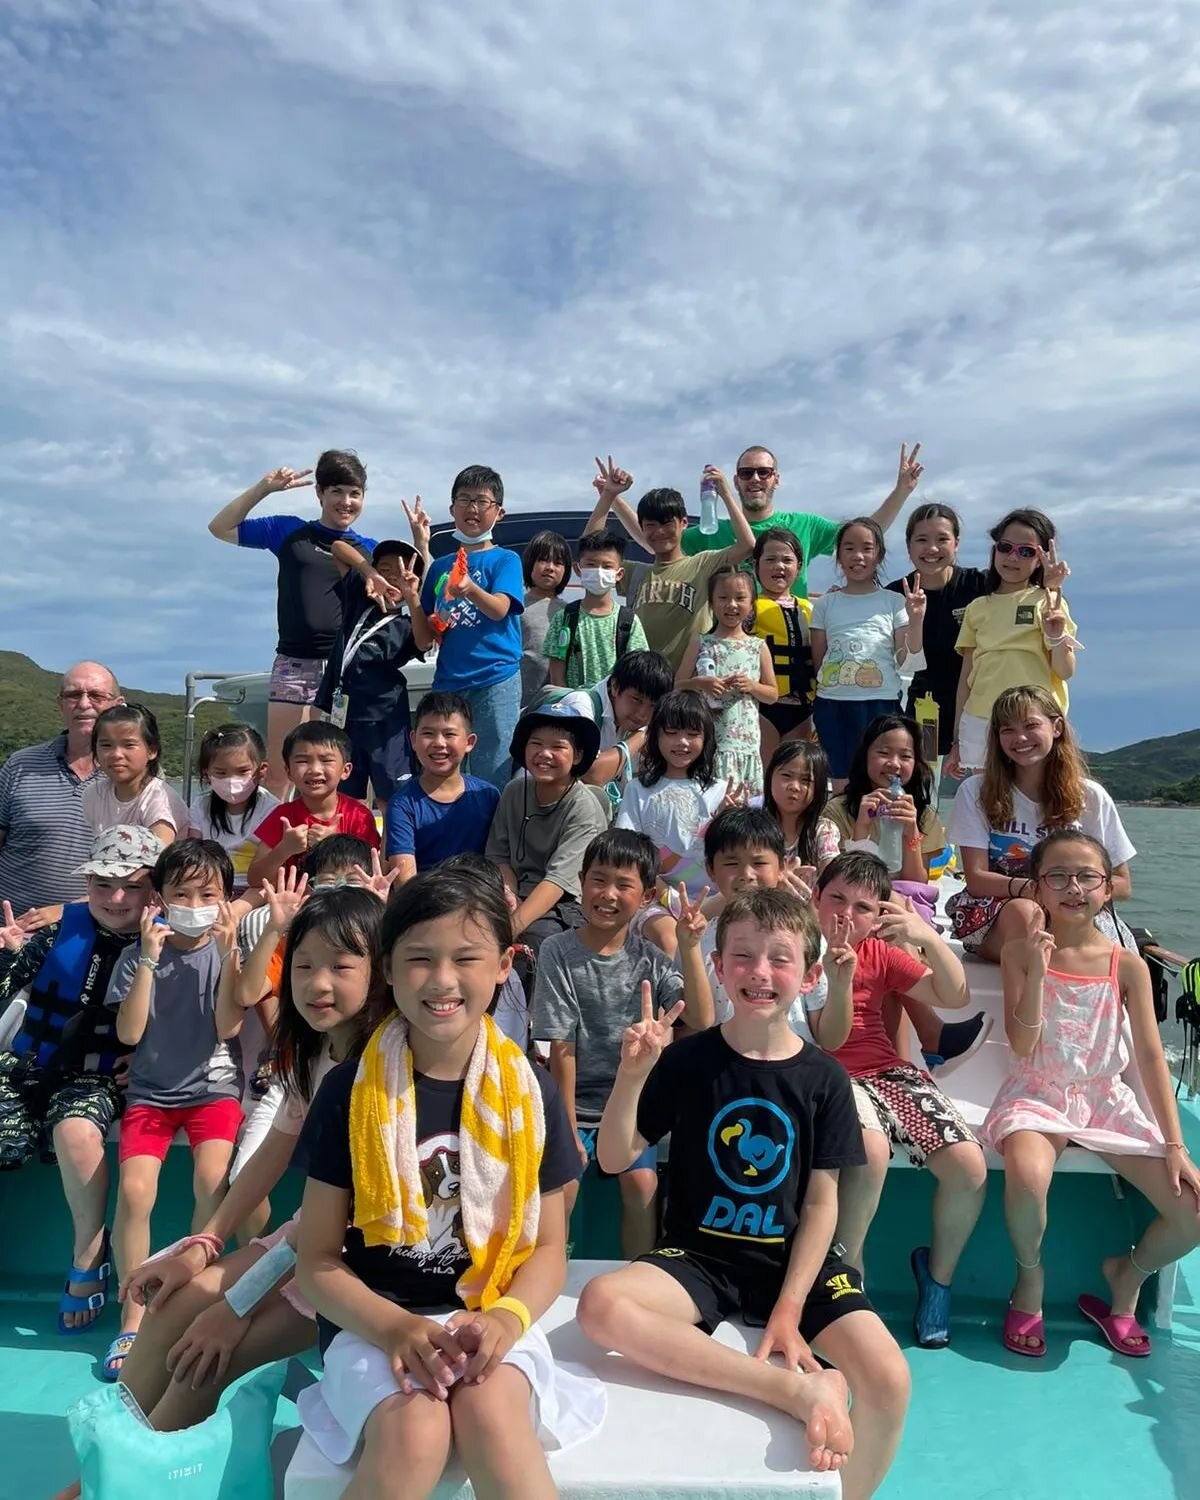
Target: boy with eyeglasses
[(479, 651)]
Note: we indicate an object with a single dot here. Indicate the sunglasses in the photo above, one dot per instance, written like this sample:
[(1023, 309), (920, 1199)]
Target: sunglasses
[(1026, 553), (1062, 880), (77, 695), (749, 472)]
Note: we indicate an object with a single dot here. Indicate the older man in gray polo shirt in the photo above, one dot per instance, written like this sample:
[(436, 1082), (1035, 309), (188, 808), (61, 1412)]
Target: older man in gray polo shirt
[(43, 837)]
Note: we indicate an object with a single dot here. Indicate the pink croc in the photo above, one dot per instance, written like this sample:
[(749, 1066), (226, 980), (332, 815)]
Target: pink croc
[(1116, 1329), (1024, 1325)]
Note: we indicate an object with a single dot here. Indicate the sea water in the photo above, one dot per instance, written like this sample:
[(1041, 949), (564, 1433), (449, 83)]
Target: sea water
[(1166, 875)]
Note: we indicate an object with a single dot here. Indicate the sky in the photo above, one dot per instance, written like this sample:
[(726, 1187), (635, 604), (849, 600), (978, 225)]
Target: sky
[(235, 232)]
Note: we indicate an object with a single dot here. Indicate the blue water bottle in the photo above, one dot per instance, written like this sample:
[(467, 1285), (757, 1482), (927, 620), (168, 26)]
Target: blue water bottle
[(708, 506)]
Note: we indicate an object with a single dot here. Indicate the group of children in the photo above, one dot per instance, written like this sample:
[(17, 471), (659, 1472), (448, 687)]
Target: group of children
[(711, 951)]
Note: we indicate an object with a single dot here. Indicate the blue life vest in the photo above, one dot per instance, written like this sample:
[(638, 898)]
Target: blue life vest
[(56, 989)]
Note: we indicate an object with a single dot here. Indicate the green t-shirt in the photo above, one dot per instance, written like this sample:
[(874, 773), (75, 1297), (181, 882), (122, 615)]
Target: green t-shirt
[(815, 534), (595, 653)]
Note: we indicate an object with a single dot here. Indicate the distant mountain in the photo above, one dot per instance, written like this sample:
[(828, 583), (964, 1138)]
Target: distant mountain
[(29, 710), (1151, 768), (1183, 793)]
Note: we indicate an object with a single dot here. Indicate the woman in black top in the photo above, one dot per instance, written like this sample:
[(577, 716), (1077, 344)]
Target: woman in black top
[(932, 537)]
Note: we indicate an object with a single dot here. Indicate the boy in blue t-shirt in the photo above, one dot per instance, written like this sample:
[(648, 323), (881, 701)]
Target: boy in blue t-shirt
[(309, 608), (479, 653), (441, 811)]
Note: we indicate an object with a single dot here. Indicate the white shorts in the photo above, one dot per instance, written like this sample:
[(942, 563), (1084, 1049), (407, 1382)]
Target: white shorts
[(566, 1405), (258, 1124), (972, 742)]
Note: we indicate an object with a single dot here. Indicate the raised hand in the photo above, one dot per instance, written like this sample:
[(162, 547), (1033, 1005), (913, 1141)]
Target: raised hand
[(691, 921), (870, 808), (153, 933), (12, 935), (1036, 950), (900, 809), (611, 480), (910, 471), (295, 838), (38, 917), (799, 879), (319, 832), (914, 600), (1054, 617), (385, 594), (285, 479), (737, 794), (1054, 572), (284, 899), (410, 588), (418, 523), (642, 1043), (712, 472), (841, 958), (900, 922), (380, 882), (224, 931)]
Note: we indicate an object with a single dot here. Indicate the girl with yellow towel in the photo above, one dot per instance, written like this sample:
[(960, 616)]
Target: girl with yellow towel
[(433, 1231)]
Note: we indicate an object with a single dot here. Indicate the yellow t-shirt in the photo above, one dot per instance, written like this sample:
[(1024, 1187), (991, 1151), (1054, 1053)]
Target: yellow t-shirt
[(933, 834), (1005, 633)]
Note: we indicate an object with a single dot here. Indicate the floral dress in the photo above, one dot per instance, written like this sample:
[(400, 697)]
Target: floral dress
[(739, 744)]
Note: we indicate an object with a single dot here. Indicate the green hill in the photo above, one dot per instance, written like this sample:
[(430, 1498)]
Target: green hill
[(1184, 793), (29, 710), (1149, 768)]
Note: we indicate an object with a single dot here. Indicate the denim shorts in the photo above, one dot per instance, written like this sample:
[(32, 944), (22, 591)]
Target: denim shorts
[(840, 724), (295, 679)]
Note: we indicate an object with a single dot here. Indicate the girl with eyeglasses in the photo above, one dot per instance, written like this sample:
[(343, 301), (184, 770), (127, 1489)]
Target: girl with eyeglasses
[(1018, 632), (1034, 782), (1069, 995)]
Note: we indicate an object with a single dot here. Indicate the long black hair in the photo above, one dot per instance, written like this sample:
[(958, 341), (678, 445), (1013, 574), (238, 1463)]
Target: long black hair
[(919, 785), (817, 763), (680, 709), (349, 920)]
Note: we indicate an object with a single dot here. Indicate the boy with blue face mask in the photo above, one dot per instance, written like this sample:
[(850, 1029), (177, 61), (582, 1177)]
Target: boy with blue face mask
[(186, 1071), (590, 635)]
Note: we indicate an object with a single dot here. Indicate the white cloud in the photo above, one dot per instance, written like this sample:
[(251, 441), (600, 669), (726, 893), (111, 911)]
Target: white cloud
[(236, 231)]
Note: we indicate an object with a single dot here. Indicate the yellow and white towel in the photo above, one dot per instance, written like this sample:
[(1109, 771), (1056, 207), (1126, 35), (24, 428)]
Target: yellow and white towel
[(502, 1133)]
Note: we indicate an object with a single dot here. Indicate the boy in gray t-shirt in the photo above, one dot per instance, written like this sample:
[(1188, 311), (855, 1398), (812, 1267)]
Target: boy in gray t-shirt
[(186, 1070), (590, 986)]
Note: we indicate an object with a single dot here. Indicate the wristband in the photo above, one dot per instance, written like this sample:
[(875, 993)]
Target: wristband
[(146, 962), (518, 1309), (248, 1290), (914, 843)]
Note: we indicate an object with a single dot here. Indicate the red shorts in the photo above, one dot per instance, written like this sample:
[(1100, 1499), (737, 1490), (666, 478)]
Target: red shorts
[(148, 1130)]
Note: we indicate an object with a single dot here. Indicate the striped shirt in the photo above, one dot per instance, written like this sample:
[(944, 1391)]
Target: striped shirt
[(45, 836)]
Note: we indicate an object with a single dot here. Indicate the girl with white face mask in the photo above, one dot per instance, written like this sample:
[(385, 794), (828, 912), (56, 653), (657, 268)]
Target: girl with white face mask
[(232, 763), (589, 635)]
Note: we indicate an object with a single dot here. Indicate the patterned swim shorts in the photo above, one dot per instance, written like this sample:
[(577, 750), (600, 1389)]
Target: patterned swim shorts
[(913, 1111), (295, 679)]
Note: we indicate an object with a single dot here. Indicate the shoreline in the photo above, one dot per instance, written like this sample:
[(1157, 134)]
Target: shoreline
[(1158, 802)]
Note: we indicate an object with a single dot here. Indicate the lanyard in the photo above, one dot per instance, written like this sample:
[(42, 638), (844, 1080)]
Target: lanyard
[(358, 638)]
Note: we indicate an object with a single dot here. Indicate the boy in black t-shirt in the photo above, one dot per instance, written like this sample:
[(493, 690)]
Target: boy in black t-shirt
[(760, 1123)]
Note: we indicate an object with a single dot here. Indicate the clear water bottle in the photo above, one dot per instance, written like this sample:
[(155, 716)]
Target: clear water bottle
[(706, 666), (891, 833), (708, 506)]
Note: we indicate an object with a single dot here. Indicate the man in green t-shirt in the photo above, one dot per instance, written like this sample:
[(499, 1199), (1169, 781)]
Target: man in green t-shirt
[(757, 479)]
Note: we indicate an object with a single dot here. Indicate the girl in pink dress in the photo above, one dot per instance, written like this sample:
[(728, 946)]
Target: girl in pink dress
[(1065, 1027)]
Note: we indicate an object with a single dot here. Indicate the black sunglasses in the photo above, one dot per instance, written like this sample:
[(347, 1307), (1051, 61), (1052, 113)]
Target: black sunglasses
[(754, 473)]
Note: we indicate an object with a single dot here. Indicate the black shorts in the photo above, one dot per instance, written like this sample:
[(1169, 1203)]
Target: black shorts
[(34, 1100), (720, 1292), (785, 717)]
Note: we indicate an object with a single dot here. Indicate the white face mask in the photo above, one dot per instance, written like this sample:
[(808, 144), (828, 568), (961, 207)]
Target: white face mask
[(464, 540), (191, 921), (598, 580), (232, 788)]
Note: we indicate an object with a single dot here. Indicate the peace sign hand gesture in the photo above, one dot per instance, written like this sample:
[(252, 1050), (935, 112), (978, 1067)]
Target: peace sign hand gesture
[(153, 933), (691, 921), (642, 1043), (914, 599), (285, 479), (419, 524), (12, 935), (1054, 572), (737, 794), (910, 470), (611, 480), (840, 960), (410, 588)]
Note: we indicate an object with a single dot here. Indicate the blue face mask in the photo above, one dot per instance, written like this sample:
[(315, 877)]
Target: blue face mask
[(464, 540)]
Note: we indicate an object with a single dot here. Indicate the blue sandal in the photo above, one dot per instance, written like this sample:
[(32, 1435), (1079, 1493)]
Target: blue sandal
[(81, 1275), (931, 1321), (114, 1359)]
